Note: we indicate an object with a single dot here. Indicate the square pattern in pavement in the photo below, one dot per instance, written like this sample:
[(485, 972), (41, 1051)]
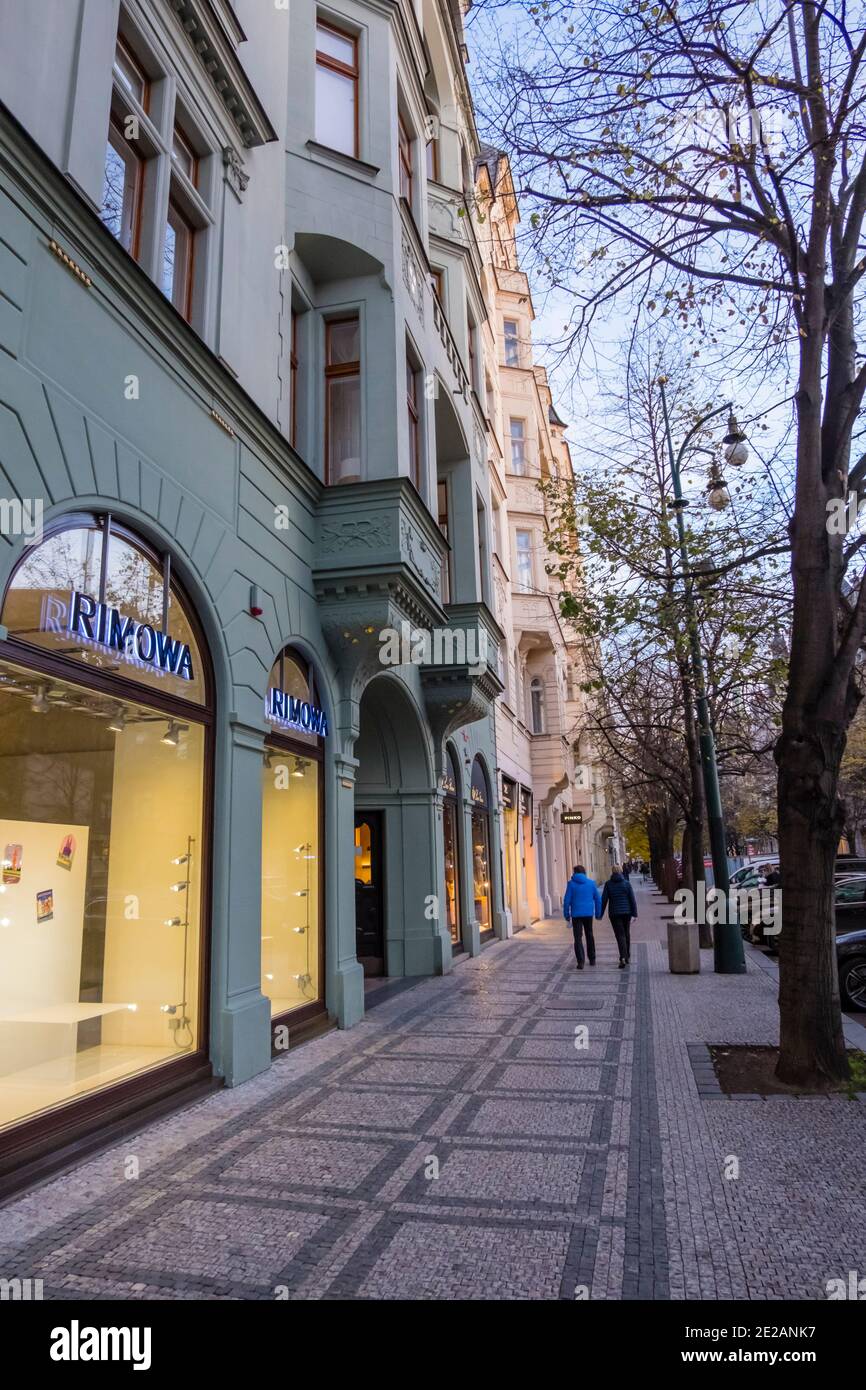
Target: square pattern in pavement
[(516, 1130)]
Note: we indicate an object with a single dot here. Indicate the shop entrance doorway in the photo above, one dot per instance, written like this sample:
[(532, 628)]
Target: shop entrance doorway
[(369, 895)]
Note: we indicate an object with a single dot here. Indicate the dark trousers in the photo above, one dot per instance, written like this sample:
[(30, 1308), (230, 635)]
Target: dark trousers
[(621, 923), (579, 925)]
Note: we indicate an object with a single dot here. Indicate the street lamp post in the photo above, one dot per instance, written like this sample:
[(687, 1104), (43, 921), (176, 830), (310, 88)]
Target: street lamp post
[(728, 954)]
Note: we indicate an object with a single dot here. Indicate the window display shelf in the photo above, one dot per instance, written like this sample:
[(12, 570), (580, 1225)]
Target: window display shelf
[(60, 1013)]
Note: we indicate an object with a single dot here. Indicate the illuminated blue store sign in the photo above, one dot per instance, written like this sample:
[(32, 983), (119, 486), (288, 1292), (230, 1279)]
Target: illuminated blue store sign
[(292, 713), (135, 641)]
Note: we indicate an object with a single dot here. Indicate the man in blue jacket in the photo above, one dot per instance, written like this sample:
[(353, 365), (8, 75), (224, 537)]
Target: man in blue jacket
[(581, 903), (619, 899)]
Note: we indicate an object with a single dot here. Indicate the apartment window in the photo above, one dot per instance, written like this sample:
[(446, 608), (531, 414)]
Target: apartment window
[(437, 281), (415, 452), (536, 700), (405, 144), (177, 257), (442, 507), (524, 561), (184, 158), (337, 80), (472, 340), (121, 189), (293, 418), (482, 549), (518, 446), (433, 159), (343, 400), (130, 74), (512, 352)]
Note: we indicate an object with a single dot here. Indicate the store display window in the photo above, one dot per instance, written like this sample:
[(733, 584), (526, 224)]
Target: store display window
[(103, 819)]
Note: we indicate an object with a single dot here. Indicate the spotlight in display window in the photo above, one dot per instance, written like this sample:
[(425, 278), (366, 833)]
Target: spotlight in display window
[(300, 768), (173, 922), (117, 722), (171, 737), (179, 887)]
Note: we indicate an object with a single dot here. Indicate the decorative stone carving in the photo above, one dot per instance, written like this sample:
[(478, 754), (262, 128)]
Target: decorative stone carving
[(413, 278), (443, 218), (234, 172), (419, 555), (362, 533)]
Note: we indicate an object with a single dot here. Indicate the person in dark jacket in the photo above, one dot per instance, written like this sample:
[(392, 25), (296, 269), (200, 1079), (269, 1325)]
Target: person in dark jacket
[(618, 897), (581, 903)]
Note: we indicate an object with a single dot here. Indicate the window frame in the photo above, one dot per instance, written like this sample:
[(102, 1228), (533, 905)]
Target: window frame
[(293, 379), (121, 45), (511, 340), (124, 150), (184, 308), (413, 411), (406, 160), (536, 705), (520, 472), (523, 552), (326, 60), (443, 522), (340, 371)]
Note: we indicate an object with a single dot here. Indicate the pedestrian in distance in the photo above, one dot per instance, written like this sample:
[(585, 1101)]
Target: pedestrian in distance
[(582, 902), (618, 897)]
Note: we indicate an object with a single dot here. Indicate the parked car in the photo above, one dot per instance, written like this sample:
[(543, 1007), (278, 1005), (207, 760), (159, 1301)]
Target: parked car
[(750, 875), (851, 941)]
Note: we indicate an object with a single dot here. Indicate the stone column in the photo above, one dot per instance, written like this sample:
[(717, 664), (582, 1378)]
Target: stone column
[(345, 976), (240, 1014), (471, 925)]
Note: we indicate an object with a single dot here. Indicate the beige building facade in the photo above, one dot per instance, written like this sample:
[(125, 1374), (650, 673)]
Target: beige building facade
[(556, 805)]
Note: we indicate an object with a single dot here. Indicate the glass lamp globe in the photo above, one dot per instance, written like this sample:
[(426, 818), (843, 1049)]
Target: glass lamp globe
[(737, 453), (718, 497)]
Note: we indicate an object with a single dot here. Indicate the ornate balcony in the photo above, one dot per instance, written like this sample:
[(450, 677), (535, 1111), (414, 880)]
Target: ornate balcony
[(377, 576)]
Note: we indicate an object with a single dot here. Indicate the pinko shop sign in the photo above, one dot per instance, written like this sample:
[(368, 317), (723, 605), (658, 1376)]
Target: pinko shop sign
[(293, 713), (107, 628)]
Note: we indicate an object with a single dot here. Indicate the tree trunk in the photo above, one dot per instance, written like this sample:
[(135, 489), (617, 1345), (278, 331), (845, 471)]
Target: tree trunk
[(812, 1047), (821, 698)]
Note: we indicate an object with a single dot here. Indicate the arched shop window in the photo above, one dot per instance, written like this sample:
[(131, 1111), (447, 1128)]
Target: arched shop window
[(292, 808), (451, 827), (105, 734), (480, 798)]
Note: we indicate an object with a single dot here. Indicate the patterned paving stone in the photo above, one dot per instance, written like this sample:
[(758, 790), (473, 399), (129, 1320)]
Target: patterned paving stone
[(216, 1239), (414, 1072), (379, 1110), (525, 1178), (305, 1164), (553, 1119), (573, 1077), (426, 1260)]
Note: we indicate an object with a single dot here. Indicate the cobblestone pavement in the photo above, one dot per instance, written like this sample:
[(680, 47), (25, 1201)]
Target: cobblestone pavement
[(563, 1171)]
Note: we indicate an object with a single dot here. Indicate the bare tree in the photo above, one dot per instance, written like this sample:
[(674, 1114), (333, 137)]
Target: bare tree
[(706, 157)]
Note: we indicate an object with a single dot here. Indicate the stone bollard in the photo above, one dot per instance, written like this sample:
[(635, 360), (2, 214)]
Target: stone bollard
[(684, 952)]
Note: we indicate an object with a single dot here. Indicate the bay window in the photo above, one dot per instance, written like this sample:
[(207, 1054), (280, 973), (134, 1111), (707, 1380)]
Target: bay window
[(343, 400)]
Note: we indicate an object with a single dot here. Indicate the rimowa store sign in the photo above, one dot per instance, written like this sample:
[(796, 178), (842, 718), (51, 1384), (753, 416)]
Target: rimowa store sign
[(141, 643), (292, 713)]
